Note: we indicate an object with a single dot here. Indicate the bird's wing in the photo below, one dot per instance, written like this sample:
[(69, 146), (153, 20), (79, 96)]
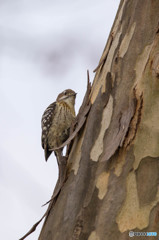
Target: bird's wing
[(46, 121)]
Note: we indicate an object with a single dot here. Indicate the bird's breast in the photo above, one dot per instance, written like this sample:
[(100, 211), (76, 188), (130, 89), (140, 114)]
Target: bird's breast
[(62, 121), (64, 114)]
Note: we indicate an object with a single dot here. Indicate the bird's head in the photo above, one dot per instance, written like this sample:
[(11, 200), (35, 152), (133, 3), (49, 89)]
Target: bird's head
[(67, 96)]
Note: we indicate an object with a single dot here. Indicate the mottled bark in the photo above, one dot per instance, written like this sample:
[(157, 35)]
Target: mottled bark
[(112, 183)]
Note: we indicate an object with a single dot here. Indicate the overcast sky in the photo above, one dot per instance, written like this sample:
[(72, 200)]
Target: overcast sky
[(45, 48)]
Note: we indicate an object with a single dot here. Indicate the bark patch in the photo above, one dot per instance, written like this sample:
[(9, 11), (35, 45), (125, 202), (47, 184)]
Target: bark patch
[(132, 215), (135, 121), (102, 183), (126, 41), (147, 172), (77, 230), (119, 129), (76, 155), (93, 236), (106, 118), (155, 65)]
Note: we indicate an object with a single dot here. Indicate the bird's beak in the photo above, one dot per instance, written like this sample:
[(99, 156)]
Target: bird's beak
[(74, 94)]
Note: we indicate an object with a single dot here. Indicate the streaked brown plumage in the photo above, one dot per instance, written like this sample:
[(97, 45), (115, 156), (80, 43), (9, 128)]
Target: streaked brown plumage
[(57, 120)]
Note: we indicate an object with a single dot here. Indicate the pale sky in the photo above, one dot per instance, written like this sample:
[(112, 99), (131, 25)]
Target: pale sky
[(45, 48)]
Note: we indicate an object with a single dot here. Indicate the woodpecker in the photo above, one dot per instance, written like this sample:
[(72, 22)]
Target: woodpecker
[(56, 122)]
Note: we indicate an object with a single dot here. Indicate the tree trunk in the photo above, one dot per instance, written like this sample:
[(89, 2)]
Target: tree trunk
[(112, 183)]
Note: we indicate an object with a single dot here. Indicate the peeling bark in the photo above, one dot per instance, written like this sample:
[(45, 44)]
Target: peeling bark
[(112, 183)]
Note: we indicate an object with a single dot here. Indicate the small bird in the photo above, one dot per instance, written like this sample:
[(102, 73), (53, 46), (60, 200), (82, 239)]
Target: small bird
[(56, 122)]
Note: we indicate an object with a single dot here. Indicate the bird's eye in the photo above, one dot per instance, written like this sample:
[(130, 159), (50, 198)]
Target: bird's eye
[(65, 92)]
